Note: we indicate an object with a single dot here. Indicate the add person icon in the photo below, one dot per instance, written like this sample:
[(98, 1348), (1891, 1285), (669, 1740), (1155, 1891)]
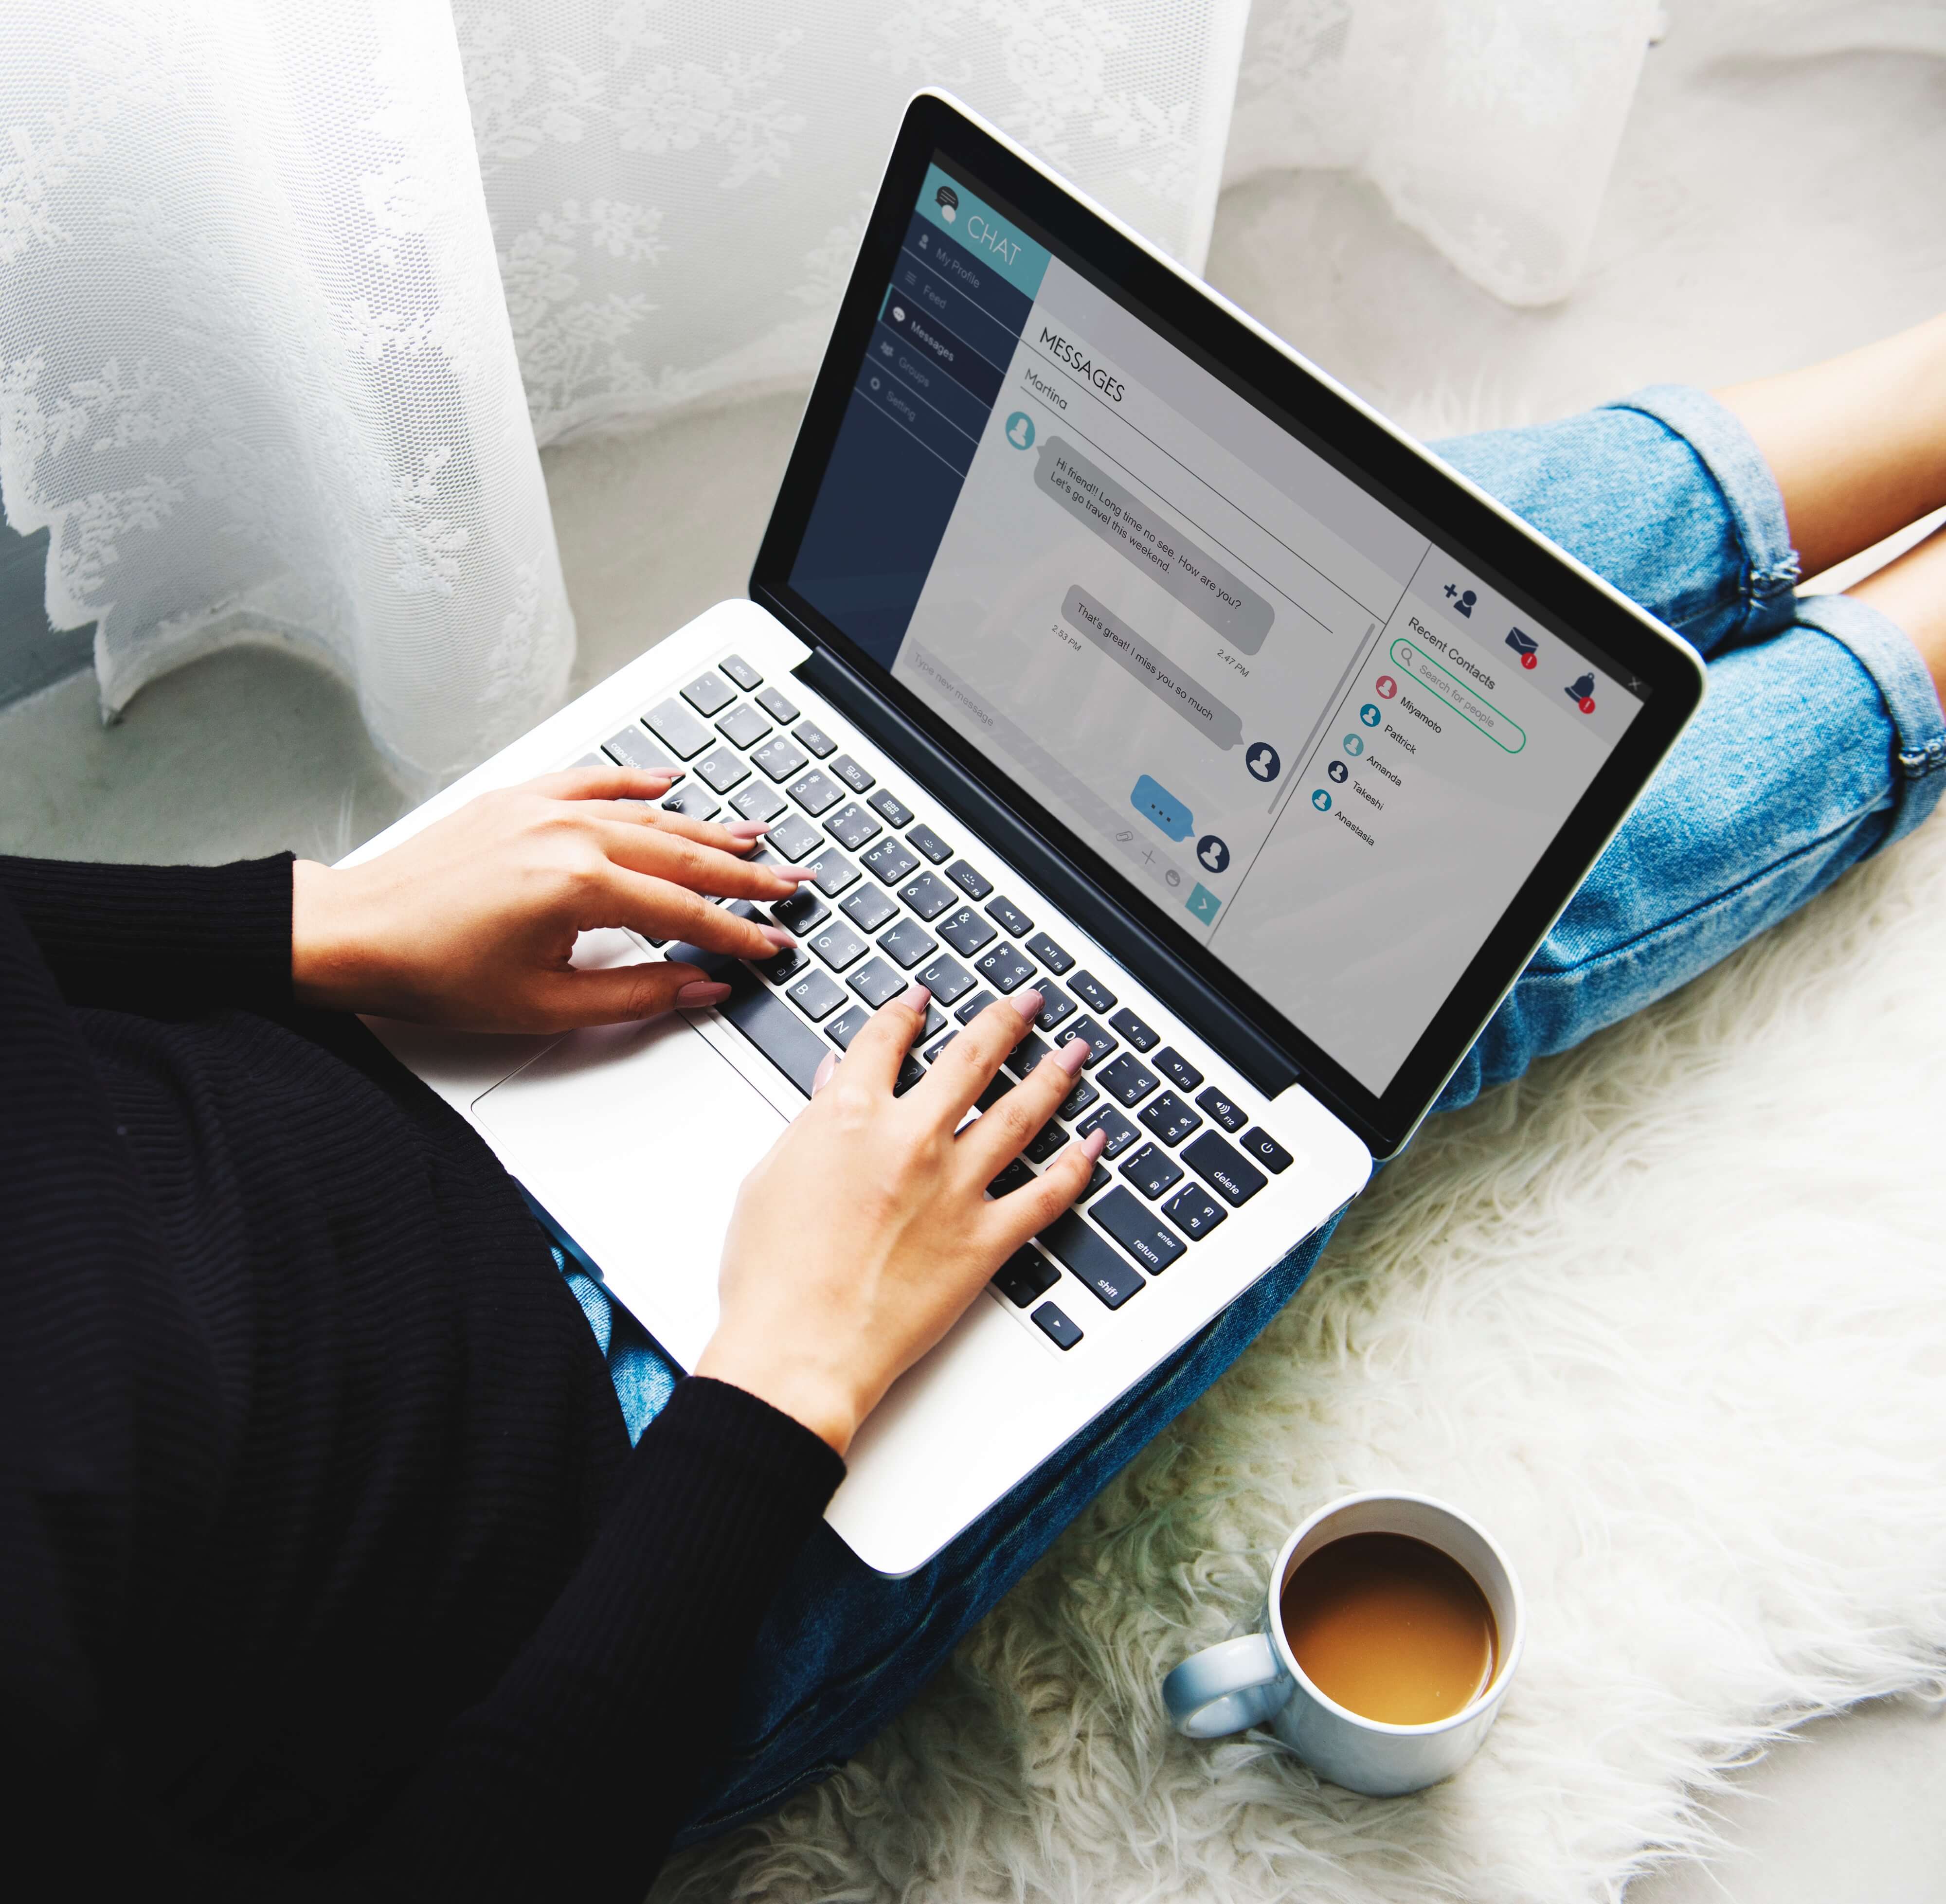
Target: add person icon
[(1263, 762), (1020, 429), (1212, 853), (1369, 714), (1354, 745), (1339, 772), (1321, 800), (1386, 687)]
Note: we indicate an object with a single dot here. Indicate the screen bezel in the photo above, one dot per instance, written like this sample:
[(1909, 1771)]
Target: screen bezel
[(1503, 552)]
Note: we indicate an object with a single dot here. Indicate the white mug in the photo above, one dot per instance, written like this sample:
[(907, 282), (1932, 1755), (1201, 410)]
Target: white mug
[(1257, 1679)]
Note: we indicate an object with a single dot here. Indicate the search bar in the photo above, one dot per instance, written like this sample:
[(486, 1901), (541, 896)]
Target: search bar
[(1463, 701)]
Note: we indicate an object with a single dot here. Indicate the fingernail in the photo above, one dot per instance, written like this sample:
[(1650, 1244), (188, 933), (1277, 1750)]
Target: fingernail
[(1027, 1004), (1072, 1056), (701, 992), (1095, 1142), (916, 997), (776, 935), (822, 1075), (747, 829), (799, 873)]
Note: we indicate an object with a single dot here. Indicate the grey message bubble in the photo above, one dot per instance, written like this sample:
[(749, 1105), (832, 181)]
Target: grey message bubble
[(1156, 545), (1157, 673)]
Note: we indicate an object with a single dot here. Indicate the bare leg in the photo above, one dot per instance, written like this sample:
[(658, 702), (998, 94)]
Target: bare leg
[(1911, 591), (1858, 444)]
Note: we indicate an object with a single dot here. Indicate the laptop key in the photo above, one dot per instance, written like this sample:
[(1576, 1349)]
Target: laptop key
[(1221, 1165), (974, 1006), (817, 995), (743, 726), (1100, 1042), (1077, 1100), (909, 942), (935, 1022), (1004, 969), (809, 735), (1150, 1243), (834, 872), (780, 759), (868, 909), (929, 895), (1093, 992), (965, 932), (877, 983), (781, 967), (1001, 1085), (910, 1071), (846, 1025), (1054, 1324), (815, 791), (1108, 1274), (1219, 1107), (801, 912), (974, 884), (1177, 1068), (1152, 1169), (758, 801), (1131, 1028), (852, 826), (692, 802), (1025, 1276), (1013, 1178), (1119, 1132), (890, 808), (946, 979), (678, 729), (794, 836), (1127, 1081), (1009, 917), (930, 844), (848, 770), (1169, 1117), (1046, 1143), (1025, 1055), (709, 693), (740, 671), (773, 704), (1193, 1212), (1056, 959), (933, 1051), (839, 946), (1055, 1005), (1257, 1143), (775, 1029), (890, 861), (633, 748), (723, 767)]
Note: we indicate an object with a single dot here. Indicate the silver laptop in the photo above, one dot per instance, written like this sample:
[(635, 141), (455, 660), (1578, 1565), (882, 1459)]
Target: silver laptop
[(1097, 643)]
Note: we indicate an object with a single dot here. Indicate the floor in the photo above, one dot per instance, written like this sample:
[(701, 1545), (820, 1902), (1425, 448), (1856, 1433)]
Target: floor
[(1765, 212)]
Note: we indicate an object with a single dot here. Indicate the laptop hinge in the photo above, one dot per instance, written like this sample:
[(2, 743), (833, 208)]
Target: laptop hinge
[(1266, 1066)]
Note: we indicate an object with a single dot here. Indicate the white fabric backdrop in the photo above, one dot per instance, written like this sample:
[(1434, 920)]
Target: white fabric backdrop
[(282, 288)]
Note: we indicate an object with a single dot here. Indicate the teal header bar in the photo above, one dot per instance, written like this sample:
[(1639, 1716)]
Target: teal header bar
[(974, 225)]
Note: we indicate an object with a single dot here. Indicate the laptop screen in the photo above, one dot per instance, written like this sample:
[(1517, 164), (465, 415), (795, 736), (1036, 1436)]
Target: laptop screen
[(1320, 740)]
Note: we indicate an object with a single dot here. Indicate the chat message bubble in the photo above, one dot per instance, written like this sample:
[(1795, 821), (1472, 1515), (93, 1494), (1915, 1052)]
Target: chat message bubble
[(1156, 545), (1216, 723), (1154, 802)]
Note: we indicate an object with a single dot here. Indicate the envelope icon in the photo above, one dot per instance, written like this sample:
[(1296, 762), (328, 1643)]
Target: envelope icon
[(1521, 644)]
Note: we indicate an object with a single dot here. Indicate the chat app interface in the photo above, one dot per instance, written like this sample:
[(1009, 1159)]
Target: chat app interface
[(1331, 752)]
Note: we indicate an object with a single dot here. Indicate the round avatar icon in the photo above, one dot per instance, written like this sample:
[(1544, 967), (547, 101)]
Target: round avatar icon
[(1354, 745), (1262, 761), (1213, 855), (1369, 714), (1386, 687), (1339, 772), (1020, 429), (1321, 800)]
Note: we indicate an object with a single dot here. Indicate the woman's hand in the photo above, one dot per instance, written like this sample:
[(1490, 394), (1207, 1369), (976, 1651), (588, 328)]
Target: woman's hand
[(472, 922), (856, 1243)]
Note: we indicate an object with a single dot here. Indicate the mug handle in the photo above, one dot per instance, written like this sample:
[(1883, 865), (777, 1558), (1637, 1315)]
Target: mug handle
[(1226, 1688)]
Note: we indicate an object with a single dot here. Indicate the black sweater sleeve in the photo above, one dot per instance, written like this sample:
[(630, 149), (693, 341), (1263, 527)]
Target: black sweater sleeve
[(165, 941)]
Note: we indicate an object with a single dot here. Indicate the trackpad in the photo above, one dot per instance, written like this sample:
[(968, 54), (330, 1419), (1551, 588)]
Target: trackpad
[(635, 1138)]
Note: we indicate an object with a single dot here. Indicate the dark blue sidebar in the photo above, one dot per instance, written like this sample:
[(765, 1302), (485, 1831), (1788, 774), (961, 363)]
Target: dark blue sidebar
[(947, 326)]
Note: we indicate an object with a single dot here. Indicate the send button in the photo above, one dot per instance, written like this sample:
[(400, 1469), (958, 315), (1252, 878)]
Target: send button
[(1203, 902)]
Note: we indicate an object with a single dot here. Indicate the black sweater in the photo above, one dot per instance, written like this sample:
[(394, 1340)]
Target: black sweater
[(326, 1568)]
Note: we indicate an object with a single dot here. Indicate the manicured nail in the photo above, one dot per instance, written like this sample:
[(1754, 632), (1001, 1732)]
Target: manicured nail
[(1095, 1142), (821, 1076), (798, 874), (1072, 1056), (747, 829), (701, 992), (776, 935), (1027, 1004), (916, 997)]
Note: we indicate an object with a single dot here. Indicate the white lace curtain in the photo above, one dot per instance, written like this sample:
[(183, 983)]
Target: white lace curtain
[(289, 294)]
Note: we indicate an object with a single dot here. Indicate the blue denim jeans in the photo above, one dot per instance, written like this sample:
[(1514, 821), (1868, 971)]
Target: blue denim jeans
[(1821, 740)]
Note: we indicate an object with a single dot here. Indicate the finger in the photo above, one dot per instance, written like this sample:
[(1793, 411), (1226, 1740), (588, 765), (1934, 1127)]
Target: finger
[(606, 783), (966, 1067), (879, 1050), (1028, 1210), (619, 993), (993, 1140), (701, 868), (737, 836), (659, 910), (827, 1065)]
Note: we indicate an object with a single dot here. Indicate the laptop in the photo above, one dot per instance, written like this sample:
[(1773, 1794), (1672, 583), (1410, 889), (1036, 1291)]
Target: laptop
[(1099, 643)]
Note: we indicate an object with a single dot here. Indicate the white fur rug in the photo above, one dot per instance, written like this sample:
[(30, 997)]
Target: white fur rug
[(1667, 1317)]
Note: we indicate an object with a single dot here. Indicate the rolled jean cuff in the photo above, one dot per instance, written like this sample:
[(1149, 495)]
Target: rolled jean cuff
[(1737, 467), (1885, 651)]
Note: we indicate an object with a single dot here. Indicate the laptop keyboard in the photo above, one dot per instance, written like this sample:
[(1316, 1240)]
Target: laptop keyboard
[(893, 902)]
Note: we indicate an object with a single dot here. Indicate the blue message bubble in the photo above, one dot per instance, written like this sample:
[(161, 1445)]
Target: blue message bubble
[(1155, 803)]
